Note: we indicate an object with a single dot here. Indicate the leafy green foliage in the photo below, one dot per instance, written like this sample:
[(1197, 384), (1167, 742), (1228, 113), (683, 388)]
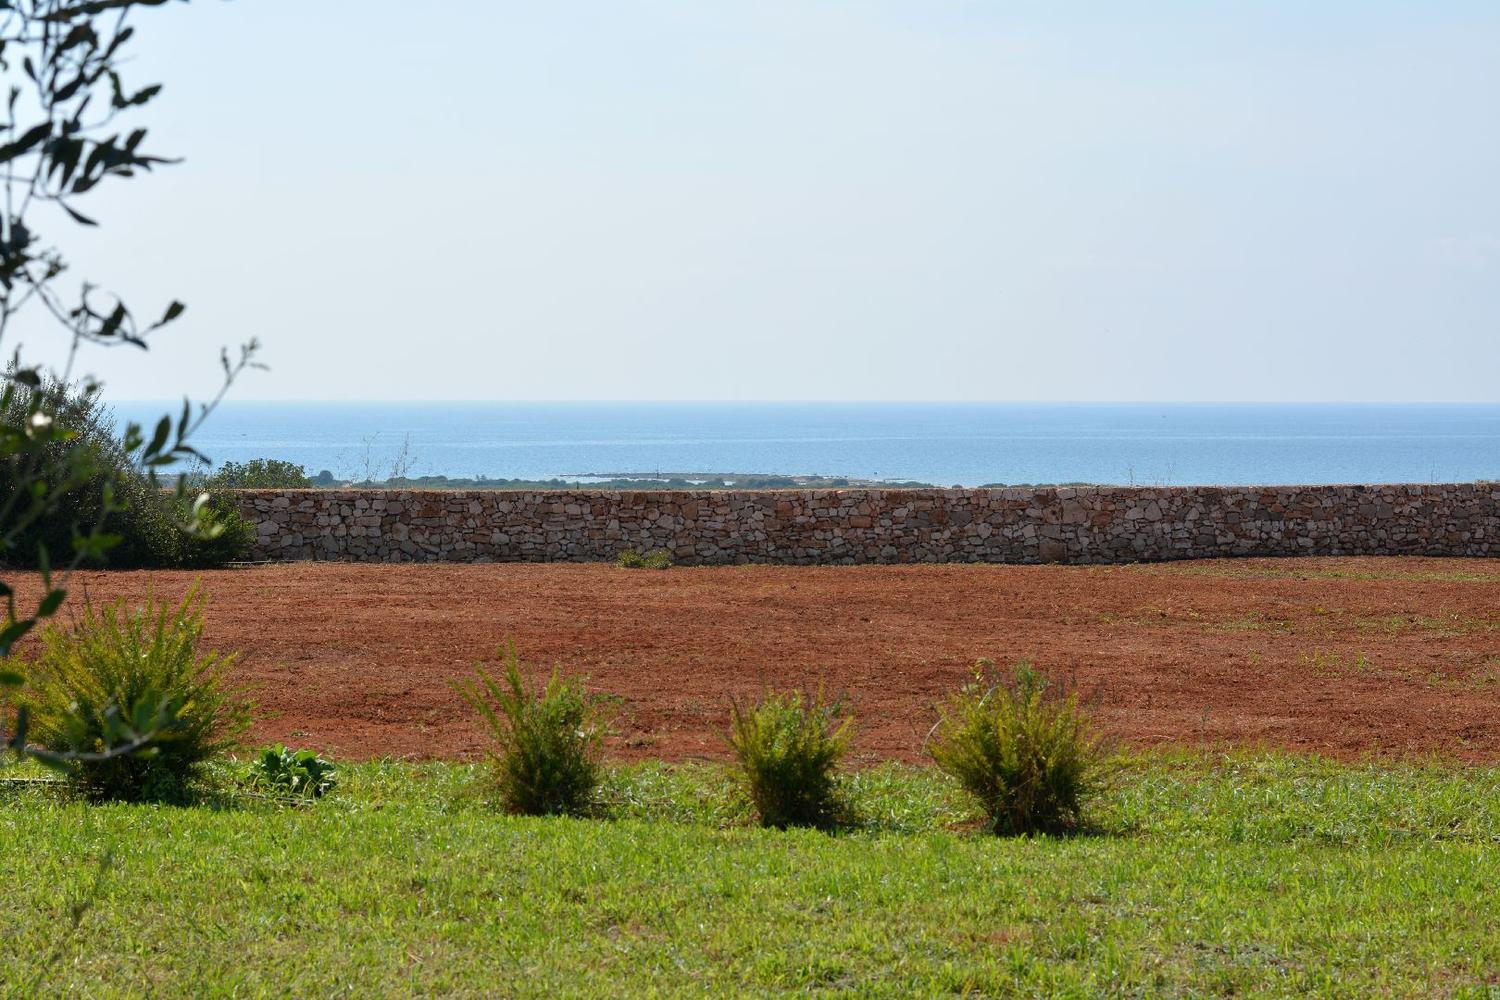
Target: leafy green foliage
[(225, 536), (548, 742), (635, 559), (300, 773), (147, 526), (135, 664), (1025, 749), (62, 138), (259, 474), (788, 747)]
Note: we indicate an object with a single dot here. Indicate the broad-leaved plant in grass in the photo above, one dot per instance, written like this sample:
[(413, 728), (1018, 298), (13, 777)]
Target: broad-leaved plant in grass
[(548, 741), (788, 747), (1023, 747), (280, 770)]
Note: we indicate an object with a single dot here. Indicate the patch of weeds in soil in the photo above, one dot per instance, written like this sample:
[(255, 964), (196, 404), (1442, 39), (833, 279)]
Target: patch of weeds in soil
[(1234, 569), (1462, 674), (636, 559), (1487, 674), (1325, 663), (1252, 621), (1255, 621), (1439, 626), (1328, 621)]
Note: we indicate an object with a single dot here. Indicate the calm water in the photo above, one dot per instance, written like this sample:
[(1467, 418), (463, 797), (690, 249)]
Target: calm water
[(960, 443)]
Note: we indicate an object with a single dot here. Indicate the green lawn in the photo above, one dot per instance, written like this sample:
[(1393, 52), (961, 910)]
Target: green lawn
[(1245, 874)]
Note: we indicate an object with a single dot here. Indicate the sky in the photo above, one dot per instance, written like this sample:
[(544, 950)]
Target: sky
[(801, 199)]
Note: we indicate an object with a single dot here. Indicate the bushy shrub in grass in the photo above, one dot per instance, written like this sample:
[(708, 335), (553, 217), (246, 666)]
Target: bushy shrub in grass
[(635, 559), (788, 747), (299, 773), (135, 664), (1023, 747), (548, 742)]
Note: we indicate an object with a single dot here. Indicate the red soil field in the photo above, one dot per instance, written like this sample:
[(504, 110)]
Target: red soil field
[(1381, 657)]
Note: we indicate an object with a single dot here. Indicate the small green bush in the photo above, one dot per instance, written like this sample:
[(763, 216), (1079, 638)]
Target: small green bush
[(1024, 748), (635, 559), (299, 773), (117, 662), (548, 742), (788, 747), (259, 474), (231, 538)]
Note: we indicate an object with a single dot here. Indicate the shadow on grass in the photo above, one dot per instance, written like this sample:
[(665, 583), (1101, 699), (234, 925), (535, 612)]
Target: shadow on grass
[(889, 799), (214, 796)]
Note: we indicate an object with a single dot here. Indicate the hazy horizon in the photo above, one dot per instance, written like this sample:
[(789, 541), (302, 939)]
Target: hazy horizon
[(936, 442), (415, 401)]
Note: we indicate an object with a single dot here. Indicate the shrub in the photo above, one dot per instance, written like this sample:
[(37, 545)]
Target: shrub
[(634, 559), (548, 742), (232, 538), (118, 662), (259, 473), (300, 773), (150, 524), (147, 536), (787, 747), (1025, 749)]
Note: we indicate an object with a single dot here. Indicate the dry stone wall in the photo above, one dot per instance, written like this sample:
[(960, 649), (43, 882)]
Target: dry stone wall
[(803, 527)]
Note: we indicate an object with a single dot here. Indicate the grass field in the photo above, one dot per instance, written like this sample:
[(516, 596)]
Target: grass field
[(1245, 874)]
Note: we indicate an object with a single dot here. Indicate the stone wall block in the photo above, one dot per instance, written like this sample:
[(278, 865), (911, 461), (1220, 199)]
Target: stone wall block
[(1016, 524)]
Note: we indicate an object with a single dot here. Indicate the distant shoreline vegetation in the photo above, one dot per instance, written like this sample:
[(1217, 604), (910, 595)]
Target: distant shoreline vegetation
[(278, 474)]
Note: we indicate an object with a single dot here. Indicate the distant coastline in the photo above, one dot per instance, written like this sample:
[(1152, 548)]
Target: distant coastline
[(521, 445), (651, 481)]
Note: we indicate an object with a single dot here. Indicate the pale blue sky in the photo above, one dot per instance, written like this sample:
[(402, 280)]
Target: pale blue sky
[(816, 200)]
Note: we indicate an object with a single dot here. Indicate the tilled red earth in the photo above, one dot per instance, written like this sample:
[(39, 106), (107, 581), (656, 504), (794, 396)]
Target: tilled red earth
[(1351, 657)]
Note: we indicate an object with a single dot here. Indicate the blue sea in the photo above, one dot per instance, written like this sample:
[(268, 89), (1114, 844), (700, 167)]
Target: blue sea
[(945, 443)]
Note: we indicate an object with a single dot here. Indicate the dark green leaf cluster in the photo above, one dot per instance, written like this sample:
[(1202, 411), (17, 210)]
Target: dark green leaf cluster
[(84, 478), (788, 747), (298, 773), (1024, 748), (259, 474), (140, 665), (547, 742)]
